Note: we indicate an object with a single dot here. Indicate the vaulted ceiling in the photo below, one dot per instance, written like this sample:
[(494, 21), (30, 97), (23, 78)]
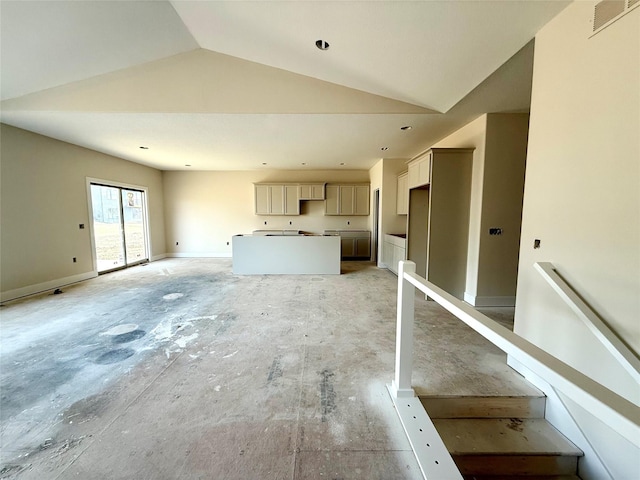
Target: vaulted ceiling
[(236, 85)]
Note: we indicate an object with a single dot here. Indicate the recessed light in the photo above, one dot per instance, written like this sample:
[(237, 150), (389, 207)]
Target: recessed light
[(384, 148), (264, 163), (187, 165), (304, 163), (342, 163), (406, 127), (144, 148), (322, 44)]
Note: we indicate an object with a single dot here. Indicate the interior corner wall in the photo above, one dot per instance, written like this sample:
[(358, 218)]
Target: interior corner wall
[(375, 177), (43, 201), (582, 200), (472, 135), (205, 209), (503, 185)]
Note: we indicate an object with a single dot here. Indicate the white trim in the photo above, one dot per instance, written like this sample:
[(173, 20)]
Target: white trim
[(433, 458), (489, 301), (616, 347), (44, 286), (155, 258), (199, 255), (557, 414), (612, 409)]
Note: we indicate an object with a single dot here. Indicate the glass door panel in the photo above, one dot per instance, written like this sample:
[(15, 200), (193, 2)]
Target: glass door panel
[(134, 235), (107, 227)]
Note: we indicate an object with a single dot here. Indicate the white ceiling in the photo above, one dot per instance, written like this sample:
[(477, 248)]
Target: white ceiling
[(233, 85)]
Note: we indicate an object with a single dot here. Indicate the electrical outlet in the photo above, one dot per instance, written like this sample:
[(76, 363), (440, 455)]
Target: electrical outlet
[(227, 243), (81, 226), (536, 243), (495, 231), (74, 260), (176, 244)]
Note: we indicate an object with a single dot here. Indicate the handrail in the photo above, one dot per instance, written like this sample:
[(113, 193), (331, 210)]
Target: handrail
[(617, 412), (601, 330)]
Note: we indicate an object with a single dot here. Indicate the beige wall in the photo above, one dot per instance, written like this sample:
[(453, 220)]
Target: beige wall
[(500, 142), (472, 135), (203, 210), (582, 200), (44, 199), (504, 169)]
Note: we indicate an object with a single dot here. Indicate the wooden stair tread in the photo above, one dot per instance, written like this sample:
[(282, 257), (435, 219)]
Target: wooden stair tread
[(521, 477), (484, 407), (502, 436)]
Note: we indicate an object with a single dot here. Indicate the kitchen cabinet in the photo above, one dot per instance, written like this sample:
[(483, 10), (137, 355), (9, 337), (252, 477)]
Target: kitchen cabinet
[(353, 243), (402, 194), (419, 173), (276, 199), (347, 200), (438, 220), (393, 251), (311, 191)]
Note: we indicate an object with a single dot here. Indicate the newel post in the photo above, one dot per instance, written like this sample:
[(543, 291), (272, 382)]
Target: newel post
[(401, 386)]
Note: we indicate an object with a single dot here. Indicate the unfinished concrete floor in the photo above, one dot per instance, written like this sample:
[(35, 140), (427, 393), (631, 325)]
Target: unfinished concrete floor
[(179, 369)]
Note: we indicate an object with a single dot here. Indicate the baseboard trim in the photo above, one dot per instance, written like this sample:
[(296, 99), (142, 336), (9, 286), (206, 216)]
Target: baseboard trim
[(44, 286), (489, 301), (155, 258), (199, 255)]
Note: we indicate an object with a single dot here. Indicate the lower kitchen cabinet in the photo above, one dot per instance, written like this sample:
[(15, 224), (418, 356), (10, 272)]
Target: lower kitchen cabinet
[(393, 250), (353, 243)]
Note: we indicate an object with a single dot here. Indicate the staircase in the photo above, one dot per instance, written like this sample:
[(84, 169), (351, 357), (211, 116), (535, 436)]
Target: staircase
[(499, 438)]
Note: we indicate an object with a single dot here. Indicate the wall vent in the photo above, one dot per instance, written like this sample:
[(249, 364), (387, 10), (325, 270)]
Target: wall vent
[(608, 11)]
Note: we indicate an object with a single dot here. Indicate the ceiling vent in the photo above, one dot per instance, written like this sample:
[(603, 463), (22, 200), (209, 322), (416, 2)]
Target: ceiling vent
[(608, 11)]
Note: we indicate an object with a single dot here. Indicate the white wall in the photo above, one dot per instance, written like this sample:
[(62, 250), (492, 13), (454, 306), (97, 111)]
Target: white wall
[(203, 210), (44, 199), (582, 200)]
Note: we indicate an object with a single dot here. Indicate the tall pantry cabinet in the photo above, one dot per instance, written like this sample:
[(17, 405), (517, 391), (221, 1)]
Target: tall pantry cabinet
[(438, 216)]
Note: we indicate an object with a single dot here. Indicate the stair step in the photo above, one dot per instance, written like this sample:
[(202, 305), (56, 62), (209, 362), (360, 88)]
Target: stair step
[(521, 477), (484, 407), (501, 446)]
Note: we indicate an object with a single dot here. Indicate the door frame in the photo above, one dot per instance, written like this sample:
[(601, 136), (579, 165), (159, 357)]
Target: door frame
[(145, 214)]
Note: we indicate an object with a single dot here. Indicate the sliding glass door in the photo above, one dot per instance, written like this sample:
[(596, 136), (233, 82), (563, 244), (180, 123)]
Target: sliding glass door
[(119, 226)]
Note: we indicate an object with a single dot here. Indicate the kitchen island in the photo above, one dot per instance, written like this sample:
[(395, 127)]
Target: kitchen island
[(286, 253)]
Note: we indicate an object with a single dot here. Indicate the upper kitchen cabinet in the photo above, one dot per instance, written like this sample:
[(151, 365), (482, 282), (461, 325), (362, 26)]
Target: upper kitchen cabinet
[(346, 200), (276, 199), (420, 170), (311, 191), (402, 198)]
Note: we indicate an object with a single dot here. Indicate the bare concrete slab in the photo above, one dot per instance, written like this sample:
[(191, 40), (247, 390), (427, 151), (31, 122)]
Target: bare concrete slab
[(223, 376)]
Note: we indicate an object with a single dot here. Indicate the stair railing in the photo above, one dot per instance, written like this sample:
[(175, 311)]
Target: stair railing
[(612, 409), (591, 319)]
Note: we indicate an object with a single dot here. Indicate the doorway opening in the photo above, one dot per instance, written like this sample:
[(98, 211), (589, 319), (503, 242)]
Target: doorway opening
[(119, 226)]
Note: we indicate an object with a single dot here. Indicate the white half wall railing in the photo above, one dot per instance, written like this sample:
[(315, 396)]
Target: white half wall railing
[(617, 412), (591, 319)]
